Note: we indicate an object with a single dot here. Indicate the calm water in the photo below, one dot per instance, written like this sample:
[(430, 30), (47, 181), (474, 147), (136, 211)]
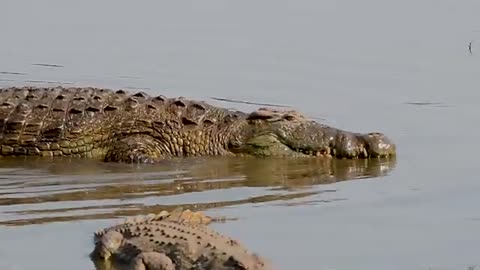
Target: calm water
[(399, 67)]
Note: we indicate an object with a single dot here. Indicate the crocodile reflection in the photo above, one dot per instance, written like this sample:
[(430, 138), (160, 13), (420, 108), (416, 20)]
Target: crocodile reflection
[(108, 191)]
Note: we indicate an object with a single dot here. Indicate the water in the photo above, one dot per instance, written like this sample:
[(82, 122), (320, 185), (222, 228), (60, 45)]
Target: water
[(399, 67)]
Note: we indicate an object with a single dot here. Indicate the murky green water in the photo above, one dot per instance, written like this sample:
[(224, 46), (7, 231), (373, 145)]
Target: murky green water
[(399, 67)]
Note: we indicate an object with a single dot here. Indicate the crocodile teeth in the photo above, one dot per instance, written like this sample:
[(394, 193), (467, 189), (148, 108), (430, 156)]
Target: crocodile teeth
[(365, 153)]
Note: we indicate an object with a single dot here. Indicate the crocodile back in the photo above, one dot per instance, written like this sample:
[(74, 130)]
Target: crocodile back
[(35, 120)]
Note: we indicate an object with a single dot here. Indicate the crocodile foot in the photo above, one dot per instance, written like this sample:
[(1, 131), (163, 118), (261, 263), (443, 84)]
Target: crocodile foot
[(152, 261), (134, 149)]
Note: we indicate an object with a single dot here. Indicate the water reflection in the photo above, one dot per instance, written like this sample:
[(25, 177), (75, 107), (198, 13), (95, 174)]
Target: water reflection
[(36, 191)]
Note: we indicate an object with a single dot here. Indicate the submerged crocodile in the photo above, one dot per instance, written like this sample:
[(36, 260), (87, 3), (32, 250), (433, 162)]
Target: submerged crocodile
[(180, 240), (135, 127)]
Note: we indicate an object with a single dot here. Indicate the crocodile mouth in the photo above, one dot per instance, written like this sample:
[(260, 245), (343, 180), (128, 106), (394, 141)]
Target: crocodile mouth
[(352, 146), (371, 145), (313, 152), (270, 145)]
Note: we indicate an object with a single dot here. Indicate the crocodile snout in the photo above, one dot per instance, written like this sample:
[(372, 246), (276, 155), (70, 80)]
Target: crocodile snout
[(379, 145)]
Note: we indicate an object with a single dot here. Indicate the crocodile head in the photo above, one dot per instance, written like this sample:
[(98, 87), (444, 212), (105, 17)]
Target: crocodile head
[(275, 133), (106, 244)]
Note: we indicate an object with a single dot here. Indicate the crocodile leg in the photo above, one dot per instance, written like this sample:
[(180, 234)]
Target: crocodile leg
[(135, 149), (153, 261)]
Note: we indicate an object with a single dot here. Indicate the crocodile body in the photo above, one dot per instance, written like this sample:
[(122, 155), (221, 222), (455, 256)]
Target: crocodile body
[(135, 127), (180, 240)]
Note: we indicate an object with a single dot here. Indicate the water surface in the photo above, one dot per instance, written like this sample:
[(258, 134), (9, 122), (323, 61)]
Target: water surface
[(399, 67)]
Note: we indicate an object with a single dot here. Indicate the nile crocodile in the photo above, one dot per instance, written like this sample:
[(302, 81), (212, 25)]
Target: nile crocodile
[(135, 127), (180, 240)]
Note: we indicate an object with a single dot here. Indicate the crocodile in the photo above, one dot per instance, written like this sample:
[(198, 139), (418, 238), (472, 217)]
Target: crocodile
[(122, 126), (177, 240)]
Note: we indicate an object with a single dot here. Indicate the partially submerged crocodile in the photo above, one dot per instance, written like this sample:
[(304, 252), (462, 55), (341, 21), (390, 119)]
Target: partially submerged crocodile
[(179, 240), (121, 126)]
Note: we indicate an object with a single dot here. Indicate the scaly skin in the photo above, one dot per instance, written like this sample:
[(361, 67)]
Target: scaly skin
[(120, 126), (180, 240)]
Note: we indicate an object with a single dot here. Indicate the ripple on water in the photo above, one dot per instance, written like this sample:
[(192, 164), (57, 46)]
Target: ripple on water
[(42, 191)]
